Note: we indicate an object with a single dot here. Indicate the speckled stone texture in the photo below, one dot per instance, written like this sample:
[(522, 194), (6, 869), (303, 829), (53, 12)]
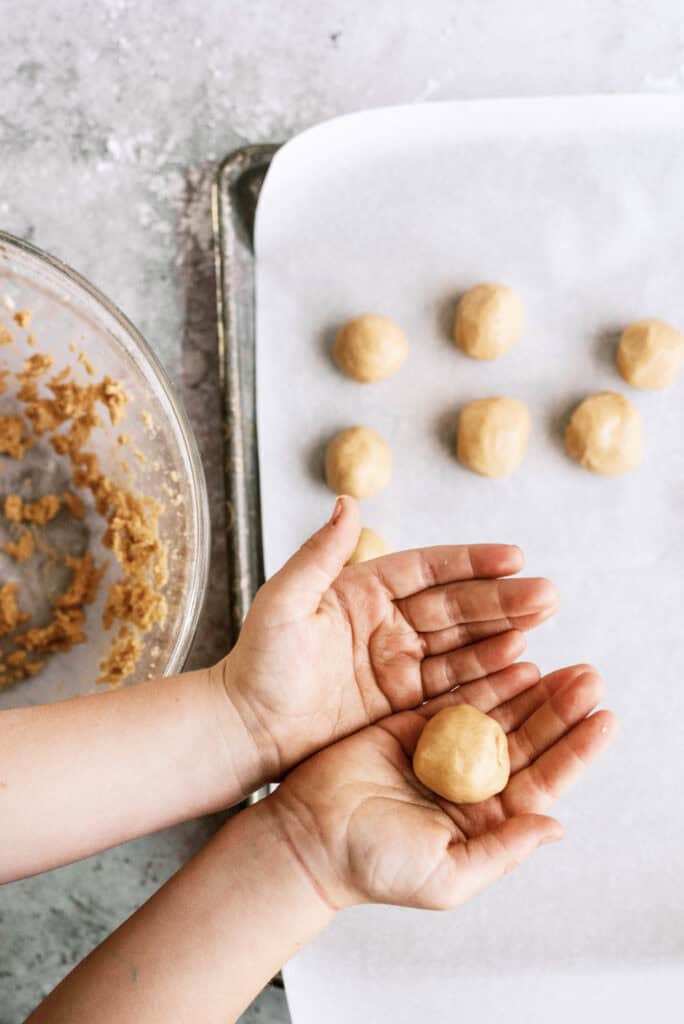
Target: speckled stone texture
[(112, 118)]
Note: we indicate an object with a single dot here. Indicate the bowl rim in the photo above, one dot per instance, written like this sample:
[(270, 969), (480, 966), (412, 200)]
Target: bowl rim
[(201, 520)]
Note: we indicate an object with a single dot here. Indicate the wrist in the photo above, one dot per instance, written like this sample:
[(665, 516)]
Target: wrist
[(316, 844), (241, 760)]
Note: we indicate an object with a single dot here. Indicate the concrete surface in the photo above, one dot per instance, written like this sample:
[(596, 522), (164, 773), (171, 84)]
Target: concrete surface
[(112, 117)]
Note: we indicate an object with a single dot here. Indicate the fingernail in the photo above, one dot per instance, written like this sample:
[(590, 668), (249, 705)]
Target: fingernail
[(552, 837), (337, 511)]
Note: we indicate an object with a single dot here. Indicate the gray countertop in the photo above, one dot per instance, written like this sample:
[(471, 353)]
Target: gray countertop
[(112, 118)]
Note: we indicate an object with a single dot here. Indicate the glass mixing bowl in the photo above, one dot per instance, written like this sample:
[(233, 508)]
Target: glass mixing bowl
[(158, 459)]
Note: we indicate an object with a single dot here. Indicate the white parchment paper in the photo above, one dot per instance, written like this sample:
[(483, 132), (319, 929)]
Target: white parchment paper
[(578, 203)]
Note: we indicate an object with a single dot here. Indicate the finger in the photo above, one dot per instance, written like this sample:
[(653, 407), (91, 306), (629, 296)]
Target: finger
[(441, 640), (444, 671), (488, 693), (482, 861), (304, 579), (513, 714), (476, 601), (408, 572), (534, 789), (569, 705)]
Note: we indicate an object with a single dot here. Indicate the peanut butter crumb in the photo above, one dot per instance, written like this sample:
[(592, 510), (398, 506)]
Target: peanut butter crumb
[(10, 614), (23, 317), (12, 439), (122, 658), (136, 602), (40, 511), (4, 374), (74, 504), (22, 548), (5, 336), (32, 340), (123, 439), (36, 365), (86, 364)]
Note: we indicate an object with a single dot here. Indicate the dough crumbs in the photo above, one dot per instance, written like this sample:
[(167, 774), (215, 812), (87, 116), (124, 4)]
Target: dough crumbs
[(74, 505), (22, 548), (10, 615), (36, 365), (40, 511), (122, 658), (115, 398), (23, 317), (68, 412), (146, 417), (32, 340), (12, 439), (4, 374), (85, 580), (5, 336), (136, 602), (86, 364), (123, 439)]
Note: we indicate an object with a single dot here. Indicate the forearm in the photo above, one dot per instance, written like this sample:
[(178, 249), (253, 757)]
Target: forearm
[(81, 775), (207, 942)]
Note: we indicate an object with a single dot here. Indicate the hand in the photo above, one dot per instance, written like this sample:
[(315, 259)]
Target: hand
[(366, 830), (326, 650)]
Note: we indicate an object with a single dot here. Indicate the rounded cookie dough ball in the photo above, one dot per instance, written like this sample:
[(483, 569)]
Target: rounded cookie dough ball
[(605, 435), (370, 348), (357, 462), (489, 321), (369, 545), (462, 755), (650, 354), (492, 435)]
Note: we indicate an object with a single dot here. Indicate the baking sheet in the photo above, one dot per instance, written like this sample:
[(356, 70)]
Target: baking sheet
[(579, 203)]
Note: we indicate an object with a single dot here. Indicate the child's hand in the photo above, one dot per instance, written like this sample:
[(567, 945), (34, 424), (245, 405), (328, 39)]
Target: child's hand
[(365, 830), (326, 650)]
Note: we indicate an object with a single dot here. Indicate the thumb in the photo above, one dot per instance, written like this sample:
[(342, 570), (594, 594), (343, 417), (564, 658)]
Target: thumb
[(321, 558), (482, 861)]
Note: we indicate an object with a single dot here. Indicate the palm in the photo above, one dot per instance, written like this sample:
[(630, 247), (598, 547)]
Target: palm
[(407, 846), (382, 637)]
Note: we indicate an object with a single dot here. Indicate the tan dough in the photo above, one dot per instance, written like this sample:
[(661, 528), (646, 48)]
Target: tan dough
[(370, 348), (489, 321), (369, 545), (462, 755), (605, 435), (492, 435), (650, 354), (357, 462)]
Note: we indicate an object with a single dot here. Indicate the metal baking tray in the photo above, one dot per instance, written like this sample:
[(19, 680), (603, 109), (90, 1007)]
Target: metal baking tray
[(234, 199)]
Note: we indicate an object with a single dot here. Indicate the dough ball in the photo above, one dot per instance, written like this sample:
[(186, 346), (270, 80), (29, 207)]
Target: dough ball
[(357, 462), (462, 755), (604, 434), (492, 435), (650, 354), (489, 321), (370, 348), (369, 545)]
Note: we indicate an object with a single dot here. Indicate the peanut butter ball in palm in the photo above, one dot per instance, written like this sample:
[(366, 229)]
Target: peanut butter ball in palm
[(370, 348), (462, 755), (358, 461), (605, 434), (489, 321), (492, 435), (650, 354)]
